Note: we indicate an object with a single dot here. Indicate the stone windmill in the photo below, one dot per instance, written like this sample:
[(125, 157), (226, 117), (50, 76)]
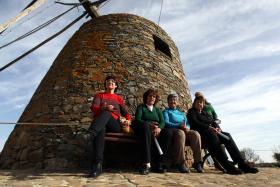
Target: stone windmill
[(132, 48)]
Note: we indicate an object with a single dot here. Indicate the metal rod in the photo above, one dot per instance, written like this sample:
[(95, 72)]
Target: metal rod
[(34, 123)]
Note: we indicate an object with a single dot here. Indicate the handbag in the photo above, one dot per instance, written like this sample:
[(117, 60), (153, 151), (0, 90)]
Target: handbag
[(126, 125)]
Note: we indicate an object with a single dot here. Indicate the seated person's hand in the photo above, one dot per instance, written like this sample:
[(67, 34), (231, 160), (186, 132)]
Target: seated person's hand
[(156, 131), (218, 129), (153, 125), (213, 129), (110, 107), (183, 127)]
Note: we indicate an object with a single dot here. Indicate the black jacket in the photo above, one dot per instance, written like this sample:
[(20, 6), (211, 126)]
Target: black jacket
[(199, 121)]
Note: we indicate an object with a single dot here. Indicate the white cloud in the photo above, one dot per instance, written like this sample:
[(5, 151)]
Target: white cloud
[(22, 83), (219, 32), (254, 93), (253, 52)]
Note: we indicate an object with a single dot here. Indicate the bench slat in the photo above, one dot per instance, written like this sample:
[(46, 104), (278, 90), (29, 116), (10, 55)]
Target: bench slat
[(123, 140), (113, 134)]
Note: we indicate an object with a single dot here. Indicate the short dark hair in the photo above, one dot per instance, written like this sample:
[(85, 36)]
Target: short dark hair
[(114, 78), (150, 92), (198, 98)]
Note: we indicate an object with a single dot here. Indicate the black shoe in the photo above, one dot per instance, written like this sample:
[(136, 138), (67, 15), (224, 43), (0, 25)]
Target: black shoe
[(183, 168), (145, 170), (161, 168), (96, 170), (231, 169), (247, 168), (235, 171), (198, 167)]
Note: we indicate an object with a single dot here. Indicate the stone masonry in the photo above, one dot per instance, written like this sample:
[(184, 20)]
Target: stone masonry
[(118, 44)]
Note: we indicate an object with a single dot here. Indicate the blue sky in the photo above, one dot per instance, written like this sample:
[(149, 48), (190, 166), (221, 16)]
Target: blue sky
[(229, 49)]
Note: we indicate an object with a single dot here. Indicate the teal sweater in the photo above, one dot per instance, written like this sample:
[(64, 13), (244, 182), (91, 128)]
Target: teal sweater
[(174, 118), (143, 114)]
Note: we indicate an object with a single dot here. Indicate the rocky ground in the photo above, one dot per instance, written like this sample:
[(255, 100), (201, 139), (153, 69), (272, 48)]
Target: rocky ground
[(267, 177)]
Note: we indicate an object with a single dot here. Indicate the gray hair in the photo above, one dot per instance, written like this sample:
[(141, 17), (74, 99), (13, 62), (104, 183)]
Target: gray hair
[(170, 96)]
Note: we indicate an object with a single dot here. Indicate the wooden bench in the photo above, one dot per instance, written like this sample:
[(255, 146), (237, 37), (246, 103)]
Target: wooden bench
[(120, 144), (135, 142), (121, 137)]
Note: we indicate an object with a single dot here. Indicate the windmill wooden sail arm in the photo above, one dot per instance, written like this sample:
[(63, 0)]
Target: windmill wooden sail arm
[(25, 12)]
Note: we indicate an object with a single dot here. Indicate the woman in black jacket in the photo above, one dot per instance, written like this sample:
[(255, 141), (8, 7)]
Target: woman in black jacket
[(213, 137)]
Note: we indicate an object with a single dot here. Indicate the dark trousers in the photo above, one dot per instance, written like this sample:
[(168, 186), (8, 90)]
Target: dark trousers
[(166, 140), (213, 143), (101, 124), (144, 132)]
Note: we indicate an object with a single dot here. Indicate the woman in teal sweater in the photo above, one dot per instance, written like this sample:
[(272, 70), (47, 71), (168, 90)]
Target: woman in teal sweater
[(177, 121), (149, 123)]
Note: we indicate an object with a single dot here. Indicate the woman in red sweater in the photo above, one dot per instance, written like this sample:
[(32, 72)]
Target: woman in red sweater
[(107, 108)]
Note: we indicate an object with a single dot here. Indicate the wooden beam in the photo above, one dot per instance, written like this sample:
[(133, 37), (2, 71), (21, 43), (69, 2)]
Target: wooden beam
[(91, 10), (22, 14)]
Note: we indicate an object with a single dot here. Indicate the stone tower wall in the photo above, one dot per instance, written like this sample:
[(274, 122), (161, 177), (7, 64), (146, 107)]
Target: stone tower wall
[(117, 44)]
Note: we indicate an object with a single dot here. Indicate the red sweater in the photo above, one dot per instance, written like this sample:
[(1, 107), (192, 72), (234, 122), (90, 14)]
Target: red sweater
[(105, 99)]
